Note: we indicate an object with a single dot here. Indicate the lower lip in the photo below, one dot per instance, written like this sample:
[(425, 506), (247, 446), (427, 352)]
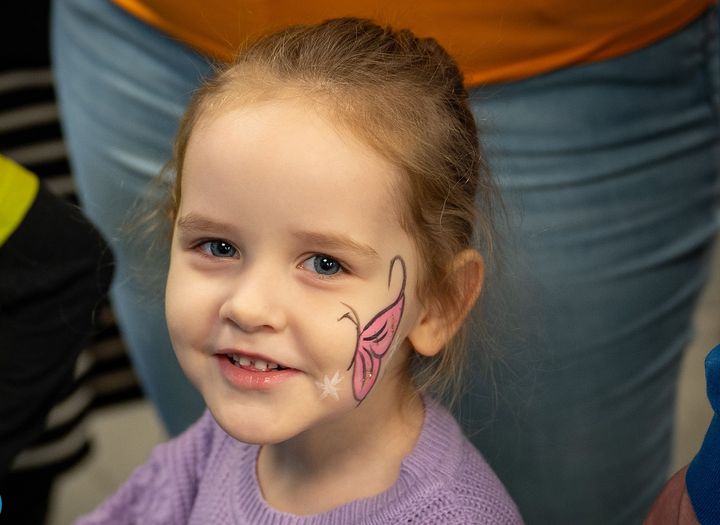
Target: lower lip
[(251, 379)]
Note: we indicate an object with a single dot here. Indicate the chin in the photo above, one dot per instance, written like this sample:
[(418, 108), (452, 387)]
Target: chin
[(250, 427)]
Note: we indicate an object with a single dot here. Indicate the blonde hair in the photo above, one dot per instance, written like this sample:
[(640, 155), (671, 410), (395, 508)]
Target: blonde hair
[(404, 97)]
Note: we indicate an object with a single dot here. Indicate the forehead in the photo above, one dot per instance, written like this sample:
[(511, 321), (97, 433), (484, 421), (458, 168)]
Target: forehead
[(284, 158)]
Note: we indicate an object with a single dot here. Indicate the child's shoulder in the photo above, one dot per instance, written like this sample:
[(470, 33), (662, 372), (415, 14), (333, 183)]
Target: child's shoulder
[(456, 484), (164, 489)]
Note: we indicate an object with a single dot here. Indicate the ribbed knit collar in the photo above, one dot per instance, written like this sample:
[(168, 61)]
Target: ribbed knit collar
[(435, 459)]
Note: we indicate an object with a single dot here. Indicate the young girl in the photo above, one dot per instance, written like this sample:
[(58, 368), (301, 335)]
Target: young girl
[(321, 265)]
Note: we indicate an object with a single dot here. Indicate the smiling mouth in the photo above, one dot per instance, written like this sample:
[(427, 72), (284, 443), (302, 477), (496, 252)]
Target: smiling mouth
[(258, 365)]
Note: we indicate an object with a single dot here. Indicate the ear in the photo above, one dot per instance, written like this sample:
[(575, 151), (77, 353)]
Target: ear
[(435, 327)]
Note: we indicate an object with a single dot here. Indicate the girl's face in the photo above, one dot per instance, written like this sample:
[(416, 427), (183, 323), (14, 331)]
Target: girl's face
[(287, 249)]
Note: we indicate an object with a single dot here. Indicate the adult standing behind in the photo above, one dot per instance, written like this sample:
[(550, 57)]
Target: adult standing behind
[(600, 122)]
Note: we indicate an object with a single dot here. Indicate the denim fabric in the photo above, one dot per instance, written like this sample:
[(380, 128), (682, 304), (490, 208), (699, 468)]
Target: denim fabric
[(122, 88), (610, 175)]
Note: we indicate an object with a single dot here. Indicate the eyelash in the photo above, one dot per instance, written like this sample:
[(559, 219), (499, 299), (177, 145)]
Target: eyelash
[(342, 267), (205, 248)]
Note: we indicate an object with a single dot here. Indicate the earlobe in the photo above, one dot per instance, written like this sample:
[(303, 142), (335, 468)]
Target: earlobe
[(436, 326)]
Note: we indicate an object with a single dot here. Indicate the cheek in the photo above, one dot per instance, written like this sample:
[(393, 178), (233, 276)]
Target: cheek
[(185, 306), (329, 342), (187, 333), (173, 312), (329, 346), (174, 306)]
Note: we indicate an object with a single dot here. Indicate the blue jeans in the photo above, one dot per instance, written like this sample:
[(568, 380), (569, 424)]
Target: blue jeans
[(121, 89), (610, 177), (610, 173)]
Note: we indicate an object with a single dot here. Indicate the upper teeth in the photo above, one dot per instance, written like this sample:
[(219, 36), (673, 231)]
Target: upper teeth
[(258, 364)]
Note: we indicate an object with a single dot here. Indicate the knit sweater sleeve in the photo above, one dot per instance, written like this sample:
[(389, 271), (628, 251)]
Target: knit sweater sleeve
[(163, 490), (480, 496), (446, 480), (474, 496)]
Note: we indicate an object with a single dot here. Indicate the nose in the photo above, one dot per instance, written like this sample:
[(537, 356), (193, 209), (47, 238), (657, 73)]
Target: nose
[(253, 301)]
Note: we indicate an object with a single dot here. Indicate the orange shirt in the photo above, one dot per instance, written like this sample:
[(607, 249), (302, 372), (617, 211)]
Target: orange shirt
[(493, 40)]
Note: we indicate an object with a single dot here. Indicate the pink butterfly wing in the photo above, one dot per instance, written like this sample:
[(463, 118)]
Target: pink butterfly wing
[(373, 342)]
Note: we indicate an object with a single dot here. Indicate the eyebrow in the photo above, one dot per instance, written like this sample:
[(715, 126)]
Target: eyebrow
[(198, 223), (332, 241)]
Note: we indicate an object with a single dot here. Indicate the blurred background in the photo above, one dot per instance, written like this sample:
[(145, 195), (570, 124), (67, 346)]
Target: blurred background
[(103, 428)]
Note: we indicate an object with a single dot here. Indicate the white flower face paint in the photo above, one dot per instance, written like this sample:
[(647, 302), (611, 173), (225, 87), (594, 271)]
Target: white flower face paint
[(328, 387)]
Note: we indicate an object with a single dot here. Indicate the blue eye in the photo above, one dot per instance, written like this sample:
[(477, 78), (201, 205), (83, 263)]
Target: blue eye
[(322, 265), (219, 248)]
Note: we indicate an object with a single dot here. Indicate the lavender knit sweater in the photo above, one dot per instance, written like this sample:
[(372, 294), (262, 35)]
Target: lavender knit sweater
[(205, 477)]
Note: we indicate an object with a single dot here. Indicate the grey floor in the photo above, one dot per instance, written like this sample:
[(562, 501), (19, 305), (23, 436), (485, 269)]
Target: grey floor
[(125, 435)]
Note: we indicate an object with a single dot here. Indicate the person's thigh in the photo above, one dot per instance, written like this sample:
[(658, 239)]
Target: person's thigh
[(122, 88), (610, 174)]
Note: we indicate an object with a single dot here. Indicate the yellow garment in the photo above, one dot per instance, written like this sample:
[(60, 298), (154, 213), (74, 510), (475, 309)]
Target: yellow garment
[(18, 188), (493, 40)]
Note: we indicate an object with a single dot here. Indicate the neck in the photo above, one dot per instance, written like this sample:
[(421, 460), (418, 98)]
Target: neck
[(353, 457)]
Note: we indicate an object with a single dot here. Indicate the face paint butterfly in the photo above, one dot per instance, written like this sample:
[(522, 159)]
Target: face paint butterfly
[(375, 338)]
